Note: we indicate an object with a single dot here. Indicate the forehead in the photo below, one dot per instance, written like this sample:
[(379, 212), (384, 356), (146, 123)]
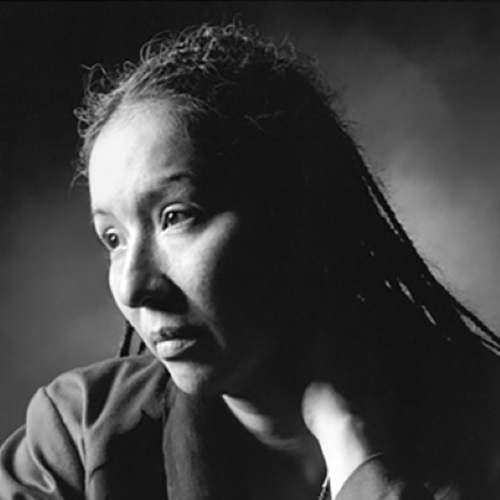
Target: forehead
[(140, 142), (150, 128)]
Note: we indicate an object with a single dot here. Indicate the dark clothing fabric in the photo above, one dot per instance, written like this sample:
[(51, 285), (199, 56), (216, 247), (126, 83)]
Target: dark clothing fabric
[(119, 430)]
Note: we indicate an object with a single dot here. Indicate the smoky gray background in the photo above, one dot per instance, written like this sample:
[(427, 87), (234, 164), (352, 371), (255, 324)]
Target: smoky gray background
[(420, 83)]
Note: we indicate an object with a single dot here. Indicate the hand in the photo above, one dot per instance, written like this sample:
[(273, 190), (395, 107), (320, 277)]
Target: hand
[(340, 434)]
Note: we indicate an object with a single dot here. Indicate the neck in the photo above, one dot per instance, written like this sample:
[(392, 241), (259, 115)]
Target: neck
[(274, 417), (268, 403), (272, 420)]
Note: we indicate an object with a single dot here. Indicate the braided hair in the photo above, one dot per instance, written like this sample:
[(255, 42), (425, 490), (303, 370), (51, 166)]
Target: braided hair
[(243, 98)]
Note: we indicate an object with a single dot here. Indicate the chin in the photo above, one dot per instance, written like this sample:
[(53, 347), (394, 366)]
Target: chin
[(193, 378)]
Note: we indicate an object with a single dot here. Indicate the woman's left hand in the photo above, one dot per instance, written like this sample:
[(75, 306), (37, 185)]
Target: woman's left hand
[(341, 434)]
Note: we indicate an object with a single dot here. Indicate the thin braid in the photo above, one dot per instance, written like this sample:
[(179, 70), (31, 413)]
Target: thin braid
[(126, 342), (487, 336), (142, 348)]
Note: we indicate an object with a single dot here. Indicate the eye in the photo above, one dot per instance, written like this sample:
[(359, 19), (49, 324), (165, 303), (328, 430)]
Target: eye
[(111, 239), (177, 216)]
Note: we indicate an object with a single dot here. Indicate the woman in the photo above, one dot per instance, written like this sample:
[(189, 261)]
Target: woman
[(296, 335)]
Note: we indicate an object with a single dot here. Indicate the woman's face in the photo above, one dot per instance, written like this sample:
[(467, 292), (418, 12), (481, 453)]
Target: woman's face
[(199, 276)]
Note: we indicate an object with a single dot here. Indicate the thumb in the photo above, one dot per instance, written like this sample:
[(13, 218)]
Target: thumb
[(323, 407)]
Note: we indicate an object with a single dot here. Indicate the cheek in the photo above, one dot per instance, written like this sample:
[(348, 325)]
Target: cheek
[(235, 278), (114, 273), (113, 283), (202, 267)]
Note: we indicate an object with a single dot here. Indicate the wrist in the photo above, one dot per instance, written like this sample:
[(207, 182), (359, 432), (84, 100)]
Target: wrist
[(344, 449)]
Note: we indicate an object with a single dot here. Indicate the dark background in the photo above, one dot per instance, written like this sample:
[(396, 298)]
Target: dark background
[(421, 87)]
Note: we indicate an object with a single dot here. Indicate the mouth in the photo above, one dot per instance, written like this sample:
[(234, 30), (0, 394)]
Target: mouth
[(175, 343)]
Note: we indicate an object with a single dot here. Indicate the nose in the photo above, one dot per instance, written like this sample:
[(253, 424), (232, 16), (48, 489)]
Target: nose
[(141, 281)]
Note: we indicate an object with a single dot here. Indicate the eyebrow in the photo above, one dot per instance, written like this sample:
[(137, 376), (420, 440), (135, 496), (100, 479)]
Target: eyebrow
[(170, 183)]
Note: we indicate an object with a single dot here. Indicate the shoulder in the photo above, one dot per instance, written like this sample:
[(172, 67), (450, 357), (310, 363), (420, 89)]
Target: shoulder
[(112, 386), (105, 399), (80, 423), (107, 404), (130, 369), (113, 379)]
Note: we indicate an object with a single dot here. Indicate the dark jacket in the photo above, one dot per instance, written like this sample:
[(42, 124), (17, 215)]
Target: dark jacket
[(119, 430)]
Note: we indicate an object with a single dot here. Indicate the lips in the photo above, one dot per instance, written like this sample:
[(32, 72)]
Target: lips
[(174, 332), (175, 342)]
